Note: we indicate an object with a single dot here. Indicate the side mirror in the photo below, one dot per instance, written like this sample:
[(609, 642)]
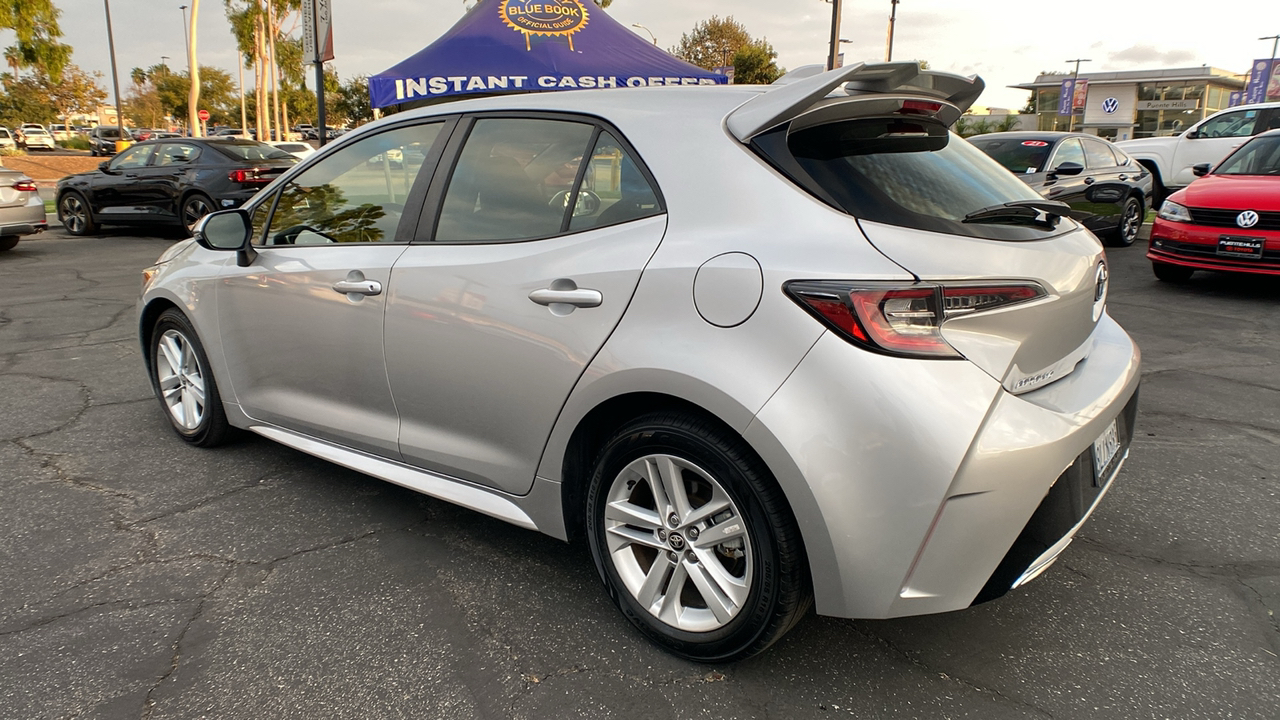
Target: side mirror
[(1202, 169), (1192, 134), (105, 166), (1069, 168), (227, 230)]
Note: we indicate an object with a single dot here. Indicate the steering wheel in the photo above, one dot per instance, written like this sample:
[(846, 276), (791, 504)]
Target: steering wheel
[(588, 202)]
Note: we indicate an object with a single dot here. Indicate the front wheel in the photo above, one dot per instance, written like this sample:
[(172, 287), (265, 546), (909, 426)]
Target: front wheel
[(694, 539), (1130, 223), (184, 384), (1171, 273)]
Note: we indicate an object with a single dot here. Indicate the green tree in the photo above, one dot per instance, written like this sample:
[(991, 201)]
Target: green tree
[(351, 102), (35, 23), (38, 98), (712, 43), (754, 64), (217, 94)]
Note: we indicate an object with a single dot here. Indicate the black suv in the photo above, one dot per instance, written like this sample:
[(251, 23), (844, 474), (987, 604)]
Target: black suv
[(102, 140)]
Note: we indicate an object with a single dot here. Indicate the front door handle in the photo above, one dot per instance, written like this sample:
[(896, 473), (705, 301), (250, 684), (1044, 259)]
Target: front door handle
[(567, 292), (1088, 181), (356, 284)]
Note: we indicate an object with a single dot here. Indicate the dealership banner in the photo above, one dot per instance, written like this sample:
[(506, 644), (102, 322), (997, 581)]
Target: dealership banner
[(1073, 94), (1264, 81)]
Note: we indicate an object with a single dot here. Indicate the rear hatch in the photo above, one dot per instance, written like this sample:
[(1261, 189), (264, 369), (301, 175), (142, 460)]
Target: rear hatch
[(1018, 289)]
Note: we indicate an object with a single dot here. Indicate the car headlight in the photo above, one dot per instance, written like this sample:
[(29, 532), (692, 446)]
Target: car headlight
[(1174, 212)]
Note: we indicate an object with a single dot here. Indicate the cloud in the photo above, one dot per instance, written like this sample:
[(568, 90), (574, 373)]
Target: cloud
[(1150, 54)]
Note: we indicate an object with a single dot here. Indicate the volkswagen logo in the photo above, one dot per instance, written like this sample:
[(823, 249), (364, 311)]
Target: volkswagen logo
[(1247, 219), (1110, 105)]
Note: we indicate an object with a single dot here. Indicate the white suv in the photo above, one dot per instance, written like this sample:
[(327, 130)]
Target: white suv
[(1172, 159)]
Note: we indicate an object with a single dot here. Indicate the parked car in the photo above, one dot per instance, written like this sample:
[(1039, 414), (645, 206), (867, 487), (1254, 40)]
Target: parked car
[(1228, 220), (102, 140), (21, 209), (1172, 159), (756, 345), (300, 150), (60, 132), (1108, 191), (33, 137), (6, 139), (168, 182)]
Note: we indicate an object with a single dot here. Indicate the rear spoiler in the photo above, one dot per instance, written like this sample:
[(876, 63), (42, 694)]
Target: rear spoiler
[(806, 88)]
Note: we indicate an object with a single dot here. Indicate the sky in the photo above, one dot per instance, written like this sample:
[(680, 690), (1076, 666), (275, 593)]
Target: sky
[(1003, 41)]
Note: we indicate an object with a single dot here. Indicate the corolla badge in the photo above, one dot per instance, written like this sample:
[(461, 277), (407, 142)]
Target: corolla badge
[(1247, 219)]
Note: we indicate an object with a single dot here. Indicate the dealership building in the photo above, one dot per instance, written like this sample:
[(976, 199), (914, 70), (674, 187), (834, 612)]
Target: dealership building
[(1133, 104)]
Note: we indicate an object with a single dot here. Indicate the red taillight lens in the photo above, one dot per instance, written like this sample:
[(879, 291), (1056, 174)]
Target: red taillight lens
[(920, 107), (248, 176), (900, 318), (25, 186)]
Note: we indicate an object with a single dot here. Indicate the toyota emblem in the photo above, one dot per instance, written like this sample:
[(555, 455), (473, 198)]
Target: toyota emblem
[(1247, 219)]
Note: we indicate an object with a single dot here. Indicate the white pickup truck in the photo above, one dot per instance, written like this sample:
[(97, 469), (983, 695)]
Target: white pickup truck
[(1172, 159)]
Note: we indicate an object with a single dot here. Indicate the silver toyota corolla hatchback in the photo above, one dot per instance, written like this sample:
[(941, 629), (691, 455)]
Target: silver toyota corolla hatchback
[(760, 347)]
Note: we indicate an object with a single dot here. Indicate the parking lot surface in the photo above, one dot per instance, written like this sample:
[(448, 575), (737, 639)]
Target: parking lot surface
[(142, 578)]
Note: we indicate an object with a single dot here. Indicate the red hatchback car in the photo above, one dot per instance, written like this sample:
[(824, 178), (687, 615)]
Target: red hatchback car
[(1228, 220)]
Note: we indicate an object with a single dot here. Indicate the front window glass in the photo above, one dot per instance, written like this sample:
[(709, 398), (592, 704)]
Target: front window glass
[(134, 157), (356, 194), (613, 189), (1257, 157), (1021, 155), (176, 154), (1232, 124), (907, 171), (512, 180)]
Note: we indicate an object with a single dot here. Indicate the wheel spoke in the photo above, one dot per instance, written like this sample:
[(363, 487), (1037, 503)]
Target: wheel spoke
[(734, 589), (717, 602), (625, 512), (671, 607), (672, 478), (189, 417), (720, 533), (172, 353), (718, 503), (655, 582), (195, 386), (622, 536)]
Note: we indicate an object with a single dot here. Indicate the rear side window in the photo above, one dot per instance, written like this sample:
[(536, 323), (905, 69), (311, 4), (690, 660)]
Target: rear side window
[(613, 189), (1098, 154), (251, 151), (903, 171)]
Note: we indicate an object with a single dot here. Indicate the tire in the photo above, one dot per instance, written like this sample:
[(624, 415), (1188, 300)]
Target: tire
[(9, 243), (1171, 273), (194, 207), (760, 586), (183, 382), (75, 214), (1130, 224)]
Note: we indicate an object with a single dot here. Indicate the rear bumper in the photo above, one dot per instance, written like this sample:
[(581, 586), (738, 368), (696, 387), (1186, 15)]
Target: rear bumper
[(1196, 246), (912, 481)]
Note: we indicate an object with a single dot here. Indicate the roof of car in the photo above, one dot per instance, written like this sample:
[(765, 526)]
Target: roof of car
[(1047, 134)]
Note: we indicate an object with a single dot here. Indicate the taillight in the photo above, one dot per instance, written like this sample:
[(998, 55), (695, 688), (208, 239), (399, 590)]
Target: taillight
[(903, 319), (25, 186), (248, 176), (920, 107)]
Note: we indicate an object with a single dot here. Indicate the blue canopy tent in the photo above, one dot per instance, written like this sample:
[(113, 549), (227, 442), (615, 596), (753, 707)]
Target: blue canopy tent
[(512, 46)]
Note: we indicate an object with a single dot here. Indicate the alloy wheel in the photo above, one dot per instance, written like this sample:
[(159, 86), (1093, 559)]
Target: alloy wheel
[(181, 379), (1130, 223), (74, 215), (679, 543), (193, 209)]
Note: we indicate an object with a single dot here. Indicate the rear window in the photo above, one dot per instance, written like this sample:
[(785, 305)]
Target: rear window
[(251, 151), (1021, 155), (905, 171)]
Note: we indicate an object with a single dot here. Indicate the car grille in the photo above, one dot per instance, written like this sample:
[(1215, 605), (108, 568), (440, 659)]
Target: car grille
[(1211, 252), (1227, 218)]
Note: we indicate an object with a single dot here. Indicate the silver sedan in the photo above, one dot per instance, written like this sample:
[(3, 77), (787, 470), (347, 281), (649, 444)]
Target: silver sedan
[(760, 348), (21, 208)]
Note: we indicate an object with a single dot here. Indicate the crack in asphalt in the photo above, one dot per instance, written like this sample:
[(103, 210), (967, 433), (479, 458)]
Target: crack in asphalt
[(128, 605), (149, 702), (1202, 373)]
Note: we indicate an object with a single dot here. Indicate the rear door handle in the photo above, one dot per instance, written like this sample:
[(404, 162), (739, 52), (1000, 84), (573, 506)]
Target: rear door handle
[(567, 292), (356, 284)]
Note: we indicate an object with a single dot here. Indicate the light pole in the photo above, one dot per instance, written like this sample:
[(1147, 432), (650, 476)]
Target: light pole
[(1075, 79), (835, 34), (164, 63), (185, 35), (638, 25), (893, 16), (115, 78)]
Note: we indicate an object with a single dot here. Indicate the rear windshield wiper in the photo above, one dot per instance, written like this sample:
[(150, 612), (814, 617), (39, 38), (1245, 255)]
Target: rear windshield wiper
[(1044, 213)]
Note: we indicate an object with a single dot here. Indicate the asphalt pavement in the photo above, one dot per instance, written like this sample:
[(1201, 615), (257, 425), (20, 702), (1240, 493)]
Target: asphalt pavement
[(142, 578)]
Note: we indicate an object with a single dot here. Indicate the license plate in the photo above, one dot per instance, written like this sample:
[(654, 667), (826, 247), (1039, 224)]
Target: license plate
[(1104, 451), (1240, 247)]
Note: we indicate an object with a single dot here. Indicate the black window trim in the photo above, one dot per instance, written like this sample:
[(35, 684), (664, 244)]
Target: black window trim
[(413, 203), (429, 220)]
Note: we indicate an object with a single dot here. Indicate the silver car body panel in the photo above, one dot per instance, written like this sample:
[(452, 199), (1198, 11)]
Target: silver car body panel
[(478, 369), (909, 479)]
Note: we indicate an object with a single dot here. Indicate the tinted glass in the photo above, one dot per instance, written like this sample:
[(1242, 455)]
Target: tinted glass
[(1260, 156), (176, 154), (250, 150), (134, 157), (1232, 124), (909, 172), (356, 194), (613, 189), (1098, 154), (512, 179), (1068, 150), (1020, 155), (258, 219)]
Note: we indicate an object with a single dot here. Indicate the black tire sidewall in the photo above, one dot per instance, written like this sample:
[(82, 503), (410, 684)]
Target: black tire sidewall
[(646, 438), (89, 225), (213, 425)]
